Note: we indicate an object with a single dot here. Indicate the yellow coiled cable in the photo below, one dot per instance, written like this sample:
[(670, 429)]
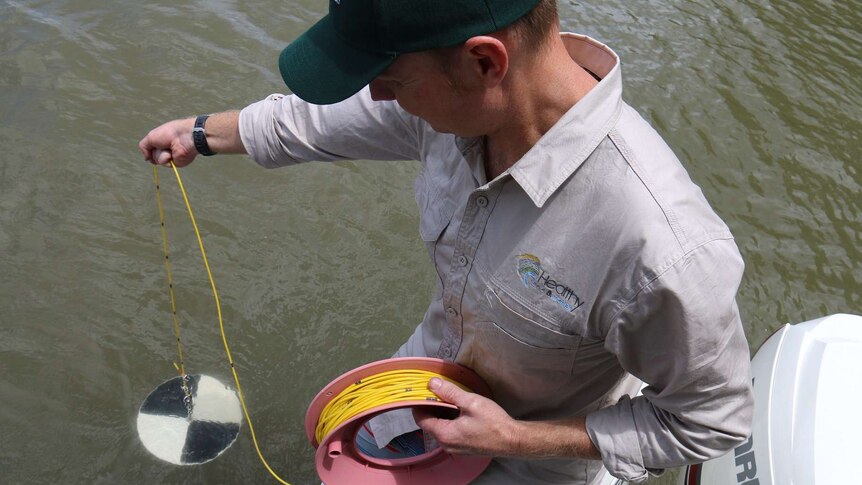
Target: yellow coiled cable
[(374, 391)]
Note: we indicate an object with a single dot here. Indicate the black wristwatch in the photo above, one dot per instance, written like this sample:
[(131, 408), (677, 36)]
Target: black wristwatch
[(199, 136)]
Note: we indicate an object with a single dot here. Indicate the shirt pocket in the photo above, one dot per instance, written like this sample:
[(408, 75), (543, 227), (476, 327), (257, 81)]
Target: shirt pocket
[(526, 362)]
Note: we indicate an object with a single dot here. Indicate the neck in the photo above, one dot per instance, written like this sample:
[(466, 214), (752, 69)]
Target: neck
[(538, 94)]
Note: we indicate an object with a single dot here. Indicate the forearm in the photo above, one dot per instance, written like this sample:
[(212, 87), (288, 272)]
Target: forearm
[(223, 133), (553, 439)]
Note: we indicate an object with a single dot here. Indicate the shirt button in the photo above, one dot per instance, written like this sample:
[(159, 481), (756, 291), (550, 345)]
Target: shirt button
[(462, 260), (447, 352), (482, 201), (451, 312)]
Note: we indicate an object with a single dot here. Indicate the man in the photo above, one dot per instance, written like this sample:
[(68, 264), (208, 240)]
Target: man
[(575, 256)]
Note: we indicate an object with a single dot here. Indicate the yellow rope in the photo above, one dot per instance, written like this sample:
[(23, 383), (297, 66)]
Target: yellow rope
[(220, 320)]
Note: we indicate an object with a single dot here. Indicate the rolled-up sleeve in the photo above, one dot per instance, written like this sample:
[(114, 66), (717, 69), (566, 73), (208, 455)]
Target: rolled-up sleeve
[(285, 130), (681, 334)]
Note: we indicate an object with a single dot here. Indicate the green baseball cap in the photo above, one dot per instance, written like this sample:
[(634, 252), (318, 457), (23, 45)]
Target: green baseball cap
[(359, 39)]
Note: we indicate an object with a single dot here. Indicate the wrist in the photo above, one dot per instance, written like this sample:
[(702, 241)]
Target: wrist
[(199, 136), (515, 438)]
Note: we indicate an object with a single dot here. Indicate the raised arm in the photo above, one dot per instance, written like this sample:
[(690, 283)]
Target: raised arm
[(173, 140), (284, 130)]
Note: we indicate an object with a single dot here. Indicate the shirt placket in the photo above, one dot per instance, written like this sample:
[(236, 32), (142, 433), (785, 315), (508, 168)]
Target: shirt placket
[(476, 214)]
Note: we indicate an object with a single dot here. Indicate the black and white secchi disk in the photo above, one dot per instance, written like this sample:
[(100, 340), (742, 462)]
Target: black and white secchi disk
[(192, 433)]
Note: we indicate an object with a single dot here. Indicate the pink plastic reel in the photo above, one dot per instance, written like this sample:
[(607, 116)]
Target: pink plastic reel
[(339, 462)]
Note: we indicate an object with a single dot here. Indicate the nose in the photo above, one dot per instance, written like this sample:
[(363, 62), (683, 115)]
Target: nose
[(379, 91)]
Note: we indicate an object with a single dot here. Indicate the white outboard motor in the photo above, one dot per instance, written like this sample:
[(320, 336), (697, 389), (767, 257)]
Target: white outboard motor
[(807, 410)]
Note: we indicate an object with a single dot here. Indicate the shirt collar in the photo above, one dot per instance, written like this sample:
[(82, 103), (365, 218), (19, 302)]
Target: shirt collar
[(563, 149)]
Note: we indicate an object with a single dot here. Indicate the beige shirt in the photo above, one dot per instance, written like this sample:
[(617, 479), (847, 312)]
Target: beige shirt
[(592, 260)]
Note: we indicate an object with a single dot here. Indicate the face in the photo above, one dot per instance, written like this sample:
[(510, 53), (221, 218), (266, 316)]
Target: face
[(421, 85)]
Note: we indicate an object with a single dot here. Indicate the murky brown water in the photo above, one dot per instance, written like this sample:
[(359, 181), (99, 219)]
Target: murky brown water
[(761, 100)]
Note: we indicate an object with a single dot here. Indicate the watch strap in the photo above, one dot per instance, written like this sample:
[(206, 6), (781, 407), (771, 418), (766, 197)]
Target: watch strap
[(199, 136)]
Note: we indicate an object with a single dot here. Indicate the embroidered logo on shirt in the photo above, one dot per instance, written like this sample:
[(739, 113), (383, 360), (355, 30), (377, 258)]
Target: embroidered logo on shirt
[(533, 276)]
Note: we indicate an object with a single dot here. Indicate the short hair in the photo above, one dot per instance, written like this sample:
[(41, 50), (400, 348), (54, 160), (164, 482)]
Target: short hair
[(533, 28)]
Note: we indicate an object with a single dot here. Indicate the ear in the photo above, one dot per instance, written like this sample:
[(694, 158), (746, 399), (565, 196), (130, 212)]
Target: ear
[(488, 58)]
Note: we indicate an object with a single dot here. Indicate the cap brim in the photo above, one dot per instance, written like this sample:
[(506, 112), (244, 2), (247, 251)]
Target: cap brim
[(321, 68)]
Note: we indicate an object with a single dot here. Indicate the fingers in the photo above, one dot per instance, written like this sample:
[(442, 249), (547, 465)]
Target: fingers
[(424, 419), (449, 392), (435, 421), (145, 150), (428, 414), (171, 141), (433, 425), (153, 151), (162, 157)]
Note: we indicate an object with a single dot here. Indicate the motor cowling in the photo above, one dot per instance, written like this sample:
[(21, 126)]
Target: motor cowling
[(807, 382)]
